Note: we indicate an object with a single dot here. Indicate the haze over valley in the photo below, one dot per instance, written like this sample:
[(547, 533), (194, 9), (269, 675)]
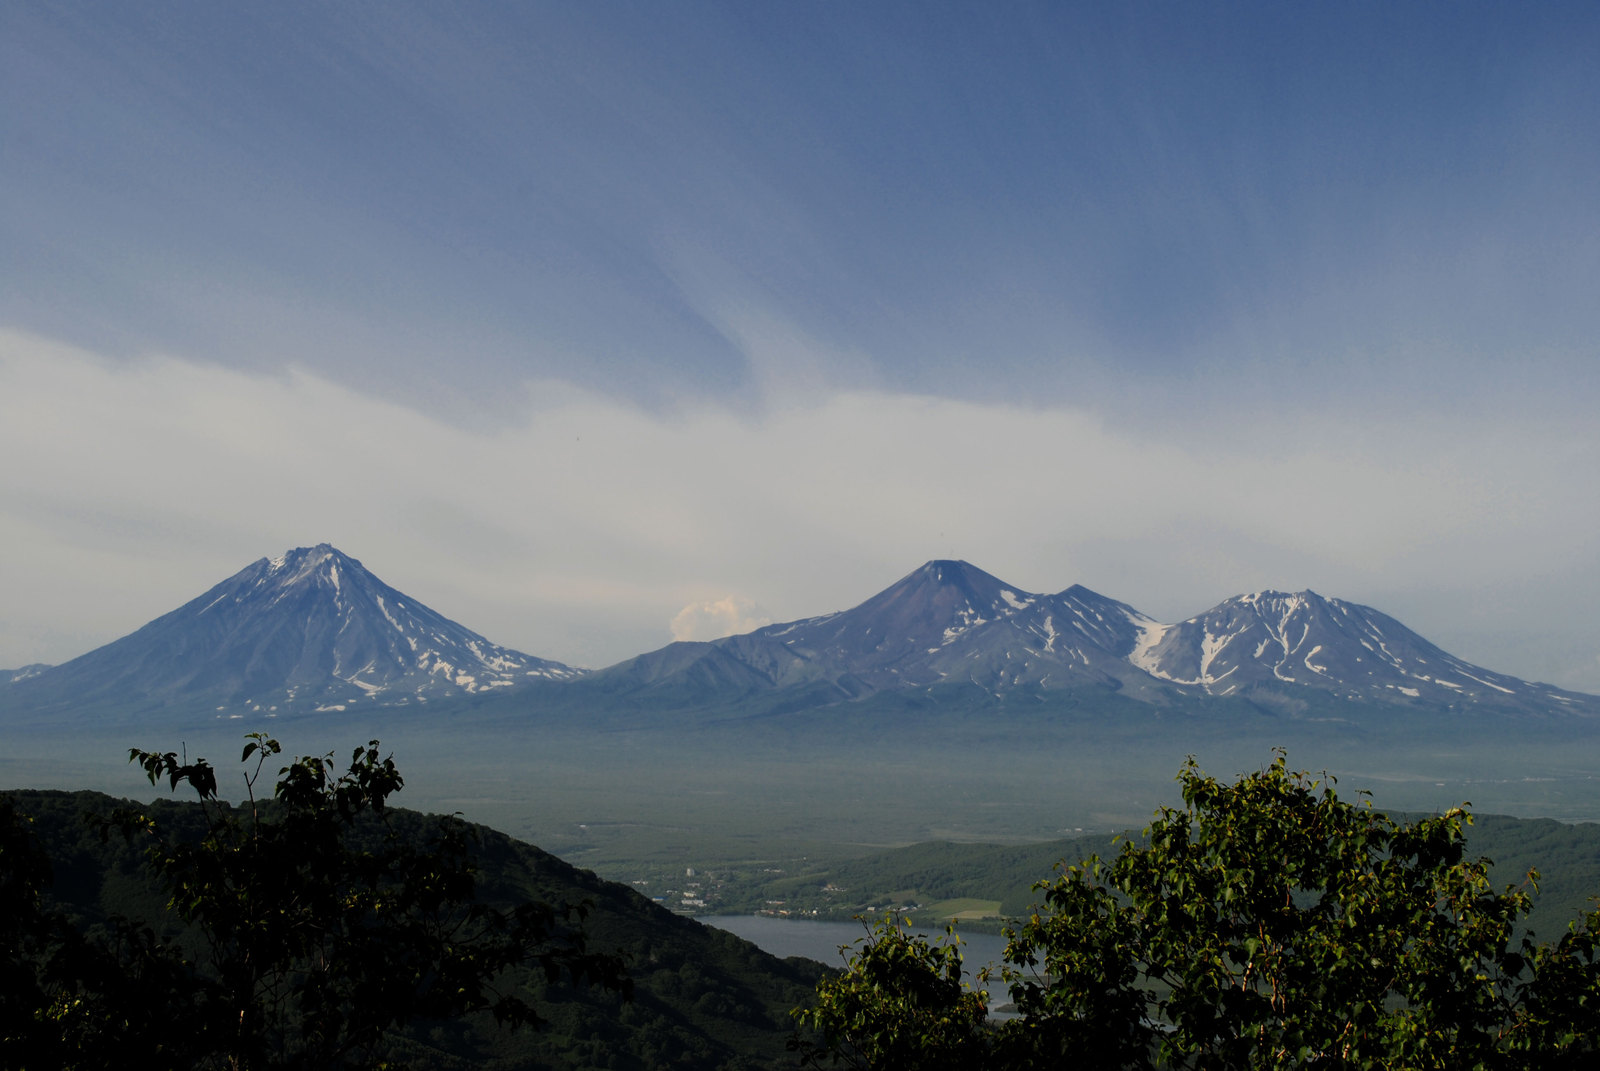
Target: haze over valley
[(948, 704)]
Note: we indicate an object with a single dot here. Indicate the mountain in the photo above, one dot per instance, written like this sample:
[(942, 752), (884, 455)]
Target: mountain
[(310, 630), (314, 631), (1277, 643), (32, 669), (952, 622), (959, 635), (947, 626)]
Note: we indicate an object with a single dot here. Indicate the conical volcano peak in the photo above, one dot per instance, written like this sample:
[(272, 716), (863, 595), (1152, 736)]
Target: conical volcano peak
[(296, 564), (963, 576), (311, 629), (318, 572), (936, 567), (948, 592), (951, 571)]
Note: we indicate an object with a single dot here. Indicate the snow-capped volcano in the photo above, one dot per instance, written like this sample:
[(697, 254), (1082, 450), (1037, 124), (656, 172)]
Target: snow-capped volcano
[(1287, 641), (311, 629)]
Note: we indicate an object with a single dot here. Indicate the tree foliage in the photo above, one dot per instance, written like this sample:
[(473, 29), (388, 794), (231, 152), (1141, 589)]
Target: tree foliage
[(1269, 924), (321, 928), (73, 999), (900, 1007)]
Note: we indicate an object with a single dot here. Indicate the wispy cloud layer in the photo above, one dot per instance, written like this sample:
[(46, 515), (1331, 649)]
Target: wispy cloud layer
[(574, 319), (591, 529)]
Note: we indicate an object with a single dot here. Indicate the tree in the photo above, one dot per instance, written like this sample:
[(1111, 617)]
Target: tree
[(27, 935), (72, 1000), (900, 1007), (328, 921), (1269, 924), (1559, 1021)]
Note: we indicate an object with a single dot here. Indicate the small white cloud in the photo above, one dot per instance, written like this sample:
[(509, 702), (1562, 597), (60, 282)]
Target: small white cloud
[(727, 616)]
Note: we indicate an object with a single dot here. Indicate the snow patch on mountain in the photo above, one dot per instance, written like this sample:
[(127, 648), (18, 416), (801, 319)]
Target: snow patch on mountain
[(1151, 633)]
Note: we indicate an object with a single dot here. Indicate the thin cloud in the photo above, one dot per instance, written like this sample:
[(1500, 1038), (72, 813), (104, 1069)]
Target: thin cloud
[(581, 529)]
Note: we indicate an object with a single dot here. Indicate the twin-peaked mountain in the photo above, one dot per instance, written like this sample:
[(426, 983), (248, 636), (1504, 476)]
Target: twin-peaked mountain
[(311, 630), (315, 631), (948, 625)]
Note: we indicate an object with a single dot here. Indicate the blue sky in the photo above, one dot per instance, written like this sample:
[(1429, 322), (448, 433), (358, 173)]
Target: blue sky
[(577, 321)]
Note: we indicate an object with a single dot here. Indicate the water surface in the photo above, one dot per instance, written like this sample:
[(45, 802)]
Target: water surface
[(821, 941)]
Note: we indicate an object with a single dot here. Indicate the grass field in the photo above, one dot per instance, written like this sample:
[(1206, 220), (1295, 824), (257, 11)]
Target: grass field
[(964, 908)]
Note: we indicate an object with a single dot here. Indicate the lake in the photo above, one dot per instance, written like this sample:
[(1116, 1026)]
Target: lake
[(820, 940)]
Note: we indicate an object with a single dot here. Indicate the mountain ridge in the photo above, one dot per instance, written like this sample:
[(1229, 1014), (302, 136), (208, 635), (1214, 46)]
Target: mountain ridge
[(949, 623), (312, 631)]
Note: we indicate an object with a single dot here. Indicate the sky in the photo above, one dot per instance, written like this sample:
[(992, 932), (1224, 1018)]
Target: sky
[(597, 325)]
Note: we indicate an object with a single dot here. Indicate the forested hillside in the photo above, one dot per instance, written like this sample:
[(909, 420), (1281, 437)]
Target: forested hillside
[(701, 998)]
